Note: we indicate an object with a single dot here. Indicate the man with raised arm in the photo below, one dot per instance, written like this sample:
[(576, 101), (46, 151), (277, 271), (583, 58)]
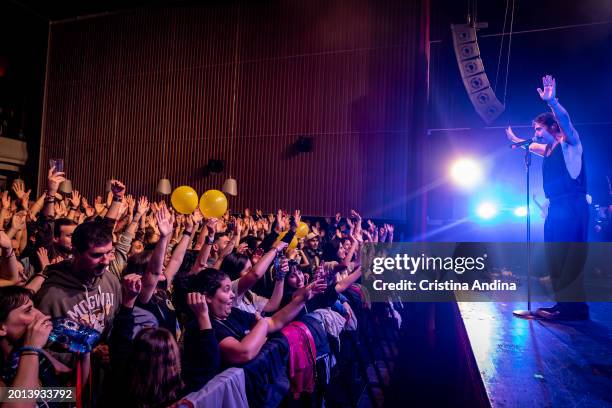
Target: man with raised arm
[(564, 182)]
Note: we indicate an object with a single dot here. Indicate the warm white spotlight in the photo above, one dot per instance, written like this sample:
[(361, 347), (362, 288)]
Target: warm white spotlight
[(466, 173), (520, 211), (486, 210)]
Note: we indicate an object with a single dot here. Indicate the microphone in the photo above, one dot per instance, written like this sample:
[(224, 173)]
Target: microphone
[(522, 143)]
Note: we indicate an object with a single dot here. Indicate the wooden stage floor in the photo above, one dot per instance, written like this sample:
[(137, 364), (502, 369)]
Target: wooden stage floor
[(535, 363)]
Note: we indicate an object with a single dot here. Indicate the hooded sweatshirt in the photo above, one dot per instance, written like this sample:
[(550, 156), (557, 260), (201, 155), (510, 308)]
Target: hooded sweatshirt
[(64, 295)]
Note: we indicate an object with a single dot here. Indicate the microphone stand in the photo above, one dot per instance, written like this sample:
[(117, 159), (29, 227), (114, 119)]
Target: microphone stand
[(527, 314)]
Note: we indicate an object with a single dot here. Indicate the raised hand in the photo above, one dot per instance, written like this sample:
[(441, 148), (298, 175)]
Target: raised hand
[(550, 88), (197, 303), (99, 205), (117, 188), (311, 290), (18, 188), (237, 228), (131, 286), (19, 221), (76, 199), (511, 136), (25, 200), (197, 216), (355, 214), (189, 223), (280, 246), (242, 248), (6, 201), (131, 203), (54, 178), (211, 226), (371, 225), (165, 221), (143, 206), (43, 257), (297, 216)]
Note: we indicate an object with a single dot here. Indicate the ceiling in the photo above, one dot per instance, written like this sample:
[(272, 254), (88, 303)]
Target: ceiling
[(53, 10)]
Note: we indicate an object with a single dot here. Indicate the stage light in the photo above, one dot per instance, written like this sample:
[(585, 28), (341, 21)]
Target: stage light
[(466, 173), (486, 210), (520, 211)]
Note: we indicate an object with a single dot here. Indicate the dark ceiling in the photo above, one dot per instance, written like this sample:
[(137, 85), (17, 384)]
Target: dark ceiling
[(54, 10)]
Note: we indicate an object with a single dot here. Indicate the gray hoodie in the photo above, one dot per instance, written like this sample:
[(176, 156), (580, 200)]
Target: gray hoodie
[(64, 295)]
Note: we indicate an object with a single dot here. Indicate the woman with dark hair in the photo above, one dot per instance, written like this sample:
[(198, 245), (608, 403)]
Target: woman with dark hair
[(244, 276), (24, 331), (148, 368), (241, 334)]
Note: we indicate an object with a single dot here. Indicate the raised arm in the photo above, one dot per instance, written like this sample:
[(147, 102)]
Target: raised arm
[(156, 264), (179, 251), (54, 179), (281, 318), (257, 271), (345, 283), (9, 272), (209, 235), (118, 190), (279, 288), (548, 95)]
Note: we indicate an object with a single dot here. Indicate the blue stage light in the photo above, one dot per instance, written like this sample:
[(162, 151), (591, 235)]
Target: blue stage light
[(486, 210), (520, 211)]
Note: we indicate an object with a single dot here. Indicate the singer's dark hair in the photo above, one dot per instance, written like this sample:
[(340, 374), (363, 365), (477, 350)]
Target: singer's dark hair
[(547, 119)]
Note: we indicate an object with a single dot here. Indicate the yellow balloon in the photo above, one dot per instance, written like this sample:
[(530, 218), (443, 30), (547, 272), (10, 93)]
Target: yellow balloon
[(213, 204), (184, 199), (302, 230)]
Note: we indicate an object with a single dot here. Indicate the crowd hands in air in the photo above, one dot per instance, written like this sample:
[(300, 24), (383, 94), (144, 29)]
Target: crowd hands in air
[(175, 298)]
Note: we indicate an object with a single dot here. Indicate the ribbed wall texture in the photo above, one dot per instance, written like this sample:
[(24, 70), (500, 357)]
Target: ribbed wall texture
[(158, 92)]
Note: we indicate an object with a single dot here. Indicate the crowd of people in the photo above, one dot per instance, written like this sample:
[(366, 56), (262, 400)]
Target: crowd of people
[(126, 294)]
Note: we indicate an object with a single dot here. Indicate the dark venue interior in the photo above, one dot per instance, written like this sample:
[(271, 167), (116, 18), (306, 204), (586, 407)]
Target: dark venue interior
[(305, 203)]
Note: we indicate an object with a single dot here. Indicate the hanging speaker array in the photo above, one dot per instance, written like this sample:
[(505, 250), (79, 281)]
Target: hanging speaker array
[(473, 73)]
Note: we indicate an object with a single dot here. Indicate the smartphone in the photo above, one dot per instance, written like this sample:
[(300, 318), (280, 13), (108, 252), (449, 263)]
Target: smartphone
[(57, 163)]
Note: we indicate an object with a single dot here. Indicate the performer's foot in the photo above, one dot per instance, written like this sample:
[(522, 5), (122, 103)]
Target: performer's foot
[(548, 309), (563, 314)]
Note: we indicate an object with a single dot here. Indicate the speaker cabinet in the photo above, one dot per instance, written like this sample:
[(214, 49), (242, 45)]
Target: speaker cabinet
[(473, 74)]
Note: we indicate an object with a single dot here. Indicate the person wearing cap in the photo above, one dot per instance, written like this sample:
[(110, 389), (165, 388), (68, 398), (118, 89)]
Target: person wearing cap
[(313, 251)]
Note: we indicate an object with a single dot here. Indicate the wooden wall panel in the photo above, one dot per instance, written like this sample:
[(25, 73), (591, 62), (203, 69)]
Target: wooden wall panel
[(159, 92)]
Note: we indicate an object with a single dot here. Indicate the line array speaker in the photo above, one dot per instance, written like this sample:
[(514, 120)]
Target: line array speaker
[(473, 73)]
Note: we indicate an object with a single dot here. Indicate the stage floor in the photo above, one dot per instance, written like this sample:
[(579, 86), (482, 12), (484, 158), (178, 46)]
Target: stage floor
[(534, 363)]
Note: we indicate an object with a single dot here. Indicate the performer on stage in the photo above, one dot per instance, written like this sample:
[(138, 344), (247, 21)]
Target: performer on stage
[(567, 221)]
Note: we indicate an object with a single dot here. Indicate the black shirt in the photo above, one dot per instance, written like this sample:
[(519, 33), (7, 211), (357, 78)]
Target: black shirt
[(556, 180), (237, 325)]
